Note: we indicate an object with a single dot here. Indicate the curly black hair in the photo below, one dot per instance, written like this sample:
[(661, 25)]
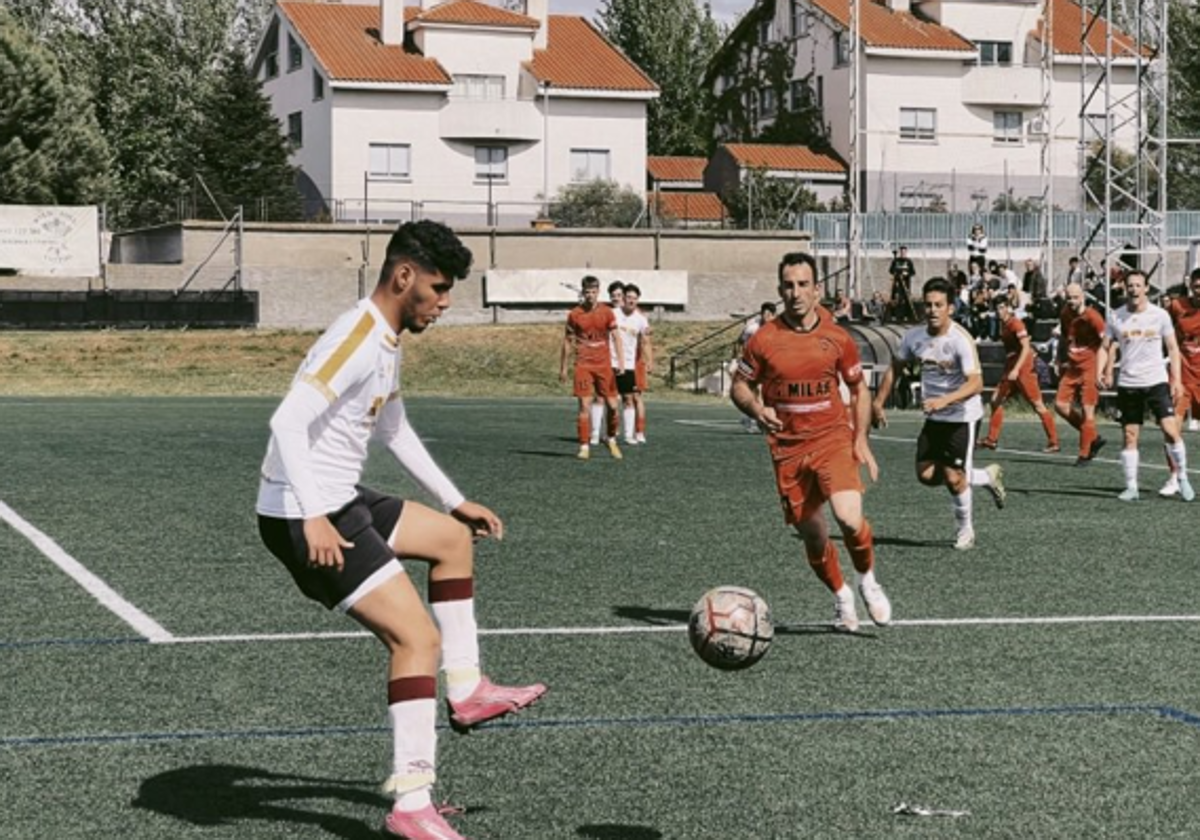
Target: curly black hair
[(432, 246)]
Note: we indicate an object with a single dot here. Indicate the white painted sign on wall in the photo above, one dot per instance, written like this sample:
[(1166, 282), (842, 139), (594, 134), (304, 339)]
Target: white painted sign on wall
[(50, 241), (560, 286)]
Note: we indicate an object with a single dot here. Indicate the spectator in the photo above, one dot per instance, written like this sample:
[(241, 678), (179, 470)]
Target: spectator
[(877, 307), (977, 246), (843, 310), (902, 271), (1034, 282), (1074, 271)]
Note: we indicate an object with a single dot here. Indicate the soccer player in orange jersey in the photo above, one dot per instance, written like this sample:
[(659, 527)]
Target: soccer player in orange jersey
[(1018, 377), (1185, 315), (797, 361), (589, 326), (1081, 332)]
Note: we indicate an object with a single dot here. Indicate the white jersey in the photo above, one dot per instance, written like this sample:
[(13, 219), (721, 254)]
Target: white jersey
[(1141, 337), (946, 362), (346, 391), (632, 328)]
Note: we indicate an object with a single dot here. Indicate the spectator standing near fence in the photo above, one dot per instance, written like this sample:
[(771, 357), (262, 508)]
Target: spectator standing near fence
[(977, 246)]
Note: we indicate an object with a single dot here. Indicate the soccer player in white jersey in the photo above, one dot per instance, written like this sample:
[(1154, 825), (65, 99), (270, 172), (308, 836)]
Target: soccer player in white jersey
[(951, 381), (643, 368), (340, 540), (635, 336), (1141, 333)]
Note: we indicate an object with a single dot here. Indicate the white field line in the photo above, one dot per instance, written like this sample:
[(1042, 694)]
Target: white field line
[(631, 630), (94, 586)]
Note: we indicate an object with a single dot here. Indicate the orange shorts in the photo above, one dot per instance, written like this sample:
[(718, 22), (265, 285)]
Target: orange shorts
[(808, 475), (1078, 384), (639, 376), (598, 382), (1189, 398), (1026, 385)]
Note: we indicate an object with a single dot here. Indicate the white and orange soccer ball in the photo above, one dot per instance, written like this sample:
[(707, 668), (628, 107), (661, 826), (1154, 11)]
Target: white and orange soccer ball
[(730, 627)]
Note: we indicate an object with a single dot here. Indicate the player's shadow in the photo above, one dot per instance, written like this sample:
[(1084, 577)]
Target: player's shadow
[(613, 831), (1081, 492), (223, 794), (543, 453), (905, 542), (650, 615)]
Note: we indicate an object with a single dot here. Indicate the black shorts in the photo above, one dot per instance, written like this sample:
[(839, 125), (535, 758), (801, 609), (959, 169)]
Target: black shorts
[(367, 521), (626, 382), (947, 444), (1133, 402)]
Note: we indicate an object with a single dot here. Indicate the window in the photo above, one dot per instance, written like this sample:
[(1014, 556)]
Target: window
[(918, 124), (271, 65), (799, 92), (799, 19), (841, 49), (820, 93), (994, 52), (491, 162), (767, 99), (318, 86), (1006, 126), (296, 129), (389, 160), (478, 87), (764, 32), (589, 164), (295, 56)]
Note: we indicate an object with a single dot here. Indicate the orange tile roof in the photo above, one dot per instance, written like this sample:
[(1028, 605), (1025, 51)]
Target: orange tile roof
[(882, 27), (578, 56), (688, 206), (794, 158), (1066, 35), (345, 39), (676, 168), (472, 12)]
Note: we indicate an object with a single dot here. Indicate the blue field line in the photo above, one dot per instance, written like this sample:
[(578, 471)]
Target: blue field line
[(40, 643), (649, 721)]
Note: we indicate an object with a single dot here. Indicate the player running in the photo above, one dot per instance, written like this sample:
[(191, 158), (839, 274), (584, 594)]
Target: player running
[(797, 361), (1185, 316), (1141, 332), (1081, 333), (951, 382), (589, 326), (1018, 377), (340, 540)]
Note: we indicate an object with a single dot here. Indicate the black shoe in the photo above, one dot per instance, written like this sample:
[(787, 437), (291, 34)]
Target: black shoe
[(1083, 461), (1096, 446)]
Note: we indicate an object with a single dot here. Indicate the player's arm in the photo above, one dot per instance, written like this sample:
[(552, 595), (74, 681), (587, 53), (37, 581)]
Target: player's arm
[(1106, 361), (744, 395), (647, 349), (878, 416), (1022, 357), (619, 344), (862, 410), (1174, 365), (565, 354), (402, 441)]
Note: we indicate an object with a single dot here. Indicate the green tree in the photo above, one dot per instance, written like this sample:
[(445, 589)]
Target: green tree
[(240, 150), (1124, 167), (51, 149), (672, 41), (1183, 120), (761, 202), (596, 204)]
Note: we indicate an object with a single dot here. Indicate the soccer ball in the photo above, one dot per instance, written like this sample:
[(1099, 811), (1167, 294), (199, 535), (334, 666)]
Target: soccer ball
[(730, 627)]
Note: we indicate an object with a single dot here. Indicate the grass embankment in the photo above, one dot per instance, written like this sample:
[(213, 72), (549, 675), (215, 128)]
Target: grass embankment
[(482, 361)]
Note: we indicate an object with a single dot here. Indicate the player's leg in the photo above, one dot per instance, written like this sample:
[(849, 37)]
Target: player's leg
[(847, 509), (1171, 425), (606, 390), (1131, 405), (639, 402), (596, 421), (584, 393), (996, 422), (1032, 391), (447, 546)]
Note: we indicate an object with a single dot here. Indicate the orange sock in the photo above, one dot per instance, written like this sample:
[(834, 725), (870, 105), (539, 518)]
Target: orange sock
[(611, 422), (1051, 429), (995, 424), (583, 428), (1087, 436), (862, 548), (827, 567)]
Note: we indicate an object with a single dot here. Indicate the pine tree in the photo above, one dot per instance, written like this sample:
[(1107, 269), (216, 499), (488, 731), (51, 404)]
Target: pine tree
[(51, 149), (241, 151)]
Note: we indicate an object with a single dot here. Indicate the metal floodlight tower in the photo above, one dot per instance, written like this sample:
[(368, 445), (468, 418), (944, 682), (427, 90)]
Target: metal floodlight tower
[(1123, 139), (854, 237), (1046, 149)]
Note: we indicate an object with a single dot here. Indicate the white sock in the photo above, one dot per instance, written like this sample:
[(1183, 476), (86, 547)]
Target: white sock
[(628, 416), (1129, 463), (1179, 456), (962, 509), (460, 646), (597, 421), (867, 577), (414, 749), (980, 478)]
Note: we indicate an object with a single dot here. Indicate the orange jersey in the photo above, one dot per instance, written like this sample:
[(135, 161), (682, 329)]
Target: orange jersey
[(1083, 334), (1012, 334), (1185, 315), (799, 373), (590, 331)]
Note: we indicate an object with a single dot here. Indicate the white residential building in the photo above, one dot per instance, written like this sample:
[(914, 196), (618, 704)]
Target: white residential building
[(445, 109), (954, 98)]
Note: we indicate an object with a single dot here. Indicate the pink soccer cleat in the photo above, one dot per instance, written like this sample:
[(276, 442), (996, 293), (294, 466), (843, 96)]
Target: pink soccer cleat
[(489, 701), (425, 824)]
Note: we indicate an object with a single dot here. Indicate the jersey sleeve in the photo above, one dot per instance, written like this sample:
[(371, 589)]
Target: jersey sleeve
[(340, 359), (1168, 325), (749, 366), (967, 353), (850, 363)]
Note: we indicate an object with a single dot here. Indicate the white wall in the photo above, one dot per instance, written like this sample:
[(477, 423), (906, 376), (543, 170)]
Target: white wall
[(619, 126), (493, 52)]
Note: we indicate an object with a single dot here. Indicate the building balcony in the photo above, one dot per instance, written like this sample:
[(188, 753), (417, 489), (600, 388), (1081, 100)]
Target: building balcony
[(490, 119), (1014, 85)]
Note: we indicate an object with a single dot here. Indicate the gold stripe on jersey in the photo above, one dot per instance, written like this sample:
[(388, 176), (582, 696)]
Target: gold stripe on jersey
[(344, 351), (325, 390), (395, 395), (970, 339)]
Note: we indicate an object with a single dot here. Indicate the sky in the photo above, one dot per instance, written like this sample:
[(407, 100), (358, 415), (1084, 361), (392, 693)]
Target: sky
[(723, 10)]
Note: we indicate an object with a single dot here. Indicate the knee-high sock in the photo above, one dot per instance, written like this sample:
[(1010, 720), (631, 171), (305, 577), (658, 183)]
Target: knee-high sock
[(1050, 428), (628, 415), (862, 548), (1178, 453), (597, 418), (996, 422), (1087, 436), (453, 605), (1129, 465), (962, 508), (826, 566), (412, 713)]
